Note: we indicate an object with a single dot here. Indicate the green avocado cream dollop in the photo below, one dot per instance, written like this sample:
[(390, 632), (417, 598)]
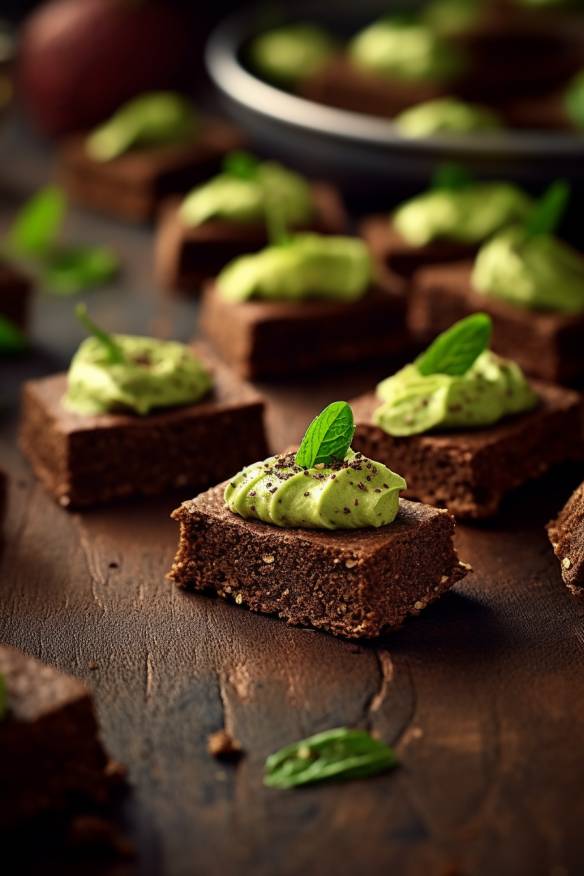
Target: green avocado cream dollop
[(154, 374), (469, 214), (287, 54), (350, 494), (538, 273), (153, 119), (235, 199), (307, 266), (491, 389), (445, 115), (405, 50)]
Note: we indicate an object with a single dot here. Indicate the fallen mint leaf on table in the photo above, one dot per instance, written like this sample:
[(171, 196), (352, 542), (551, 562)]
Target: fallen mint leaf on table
[(547, 213), (37, 226), (115, 353), (328, 437), (334, 754), (71, 269), (456, 350), (12, 340)]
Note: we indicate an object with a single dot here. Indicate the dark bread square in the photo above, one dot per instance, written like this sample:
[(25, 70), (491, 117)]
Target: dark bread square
[(88, 460), (52, 759), (353, 583), (547, 345), (132, 186), (281, 338), (471, 471), (566, 533), (184, 256)]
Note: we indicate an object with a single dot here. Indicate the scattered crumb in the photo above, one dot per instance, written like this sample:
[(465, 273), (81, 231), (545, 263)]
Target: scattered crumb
[(350, 564), (92, 666), (223, 746), (268, 558), (566, 562)]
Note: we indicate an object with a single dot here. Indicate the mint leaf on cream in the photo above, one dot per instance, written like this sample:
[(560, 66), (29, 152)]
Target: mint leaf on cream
[(546, 215), (451, 176), (334, 754), (70, 269), (328, 437), (241, 165), (455, 350), (12, 340), (37, 226), (114, 351)]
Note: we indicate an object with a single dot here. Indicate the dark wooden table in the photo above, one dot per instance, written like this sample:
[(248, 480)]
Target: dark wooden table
[(483, 695)]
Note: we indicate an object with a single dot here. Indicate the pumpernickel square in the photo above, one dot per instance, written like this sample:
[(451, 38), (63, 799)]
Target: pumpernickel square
[(400, 257), (352, 583), (281, 338), (470, 471), (547, 345), (53, 763), (133, 185), (89, 460), (566, 533), (185, 256)]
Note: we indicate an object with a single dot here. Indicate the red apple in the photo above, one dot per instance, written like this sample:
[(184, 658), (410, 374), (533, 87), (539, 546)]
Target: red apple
[(80, 59)]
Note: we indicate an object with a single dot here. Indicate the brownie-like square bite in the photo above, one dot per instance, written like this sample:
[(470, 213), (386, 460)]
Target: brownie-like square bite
[(566, 533), (15, 291), (353, 583), (547, 345), (400, 257), (185, 256), (133, 185), (280, 338), (470, 471), (341, 83), (87, 460), (53, 763)]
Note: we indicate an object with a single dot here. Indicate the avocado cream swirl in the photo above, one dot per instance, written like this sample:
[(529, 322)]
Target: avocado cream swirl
[(350, 494), (445, 115), (536, 273), (287, 54), (233, 199), (307, 266), (404, 50), (469, 214), (155, 374), (491, 389)]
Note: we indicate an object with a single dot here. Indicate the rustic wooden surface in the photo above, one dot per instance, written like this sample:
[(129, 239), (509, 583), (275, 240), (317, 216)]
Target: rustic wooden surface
[(483, 695)]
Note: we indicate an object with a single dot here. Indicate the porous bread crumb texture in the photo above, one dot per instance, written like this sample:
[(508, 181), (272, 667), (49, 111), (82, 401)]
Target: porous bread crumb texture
[(566, 533), (357, 586)]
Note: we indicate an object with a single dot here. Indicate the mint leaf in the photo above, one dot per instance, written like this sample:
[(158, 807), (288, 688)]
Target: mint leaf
[(328, 437), (451, 176), (548, 211), (277, 227), (241, 165), (12, 340), (455, 350), (71, 269), (115, 353), (37, 226), (334, 754), (574, 101)]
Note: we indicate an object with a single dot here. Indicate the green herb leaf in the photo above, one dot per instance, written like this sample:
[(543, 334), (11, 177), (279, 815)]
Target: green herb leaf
[(115, 352), (278, 233), (334, 754), (241, 165), (451, 176), (455, 350), (328, 437), (37, 226), (12, 340), (3, 698), (71, 269), (545, 216)]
